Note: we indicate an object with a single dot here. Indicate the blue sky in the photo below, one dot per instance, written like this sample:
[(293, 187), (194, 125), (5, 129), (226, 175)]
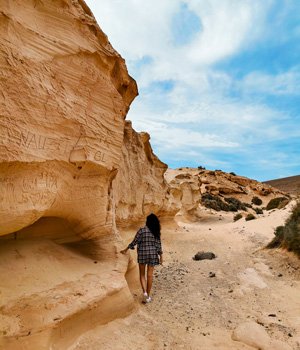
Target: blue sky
[(219, 80)]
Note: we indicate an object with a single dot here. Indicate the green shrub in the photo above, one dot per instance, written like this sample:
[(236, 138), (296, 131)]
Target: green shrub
[(214, 202), (235, 204), (232, 173), (200, 167), (288, 236), (258, 210), (256, 200), (237, 217), (250, 217), (277, 203), (247, 205), (278, 239)]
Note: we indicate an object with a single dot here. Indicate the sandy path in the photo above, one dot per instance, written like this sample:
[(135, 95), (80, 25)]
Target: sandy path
[(191, 310)]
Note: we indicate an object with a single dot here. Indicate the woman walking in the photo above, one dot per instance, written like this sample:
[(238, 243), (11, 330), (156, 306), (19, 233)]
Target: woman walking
[(149, 251)]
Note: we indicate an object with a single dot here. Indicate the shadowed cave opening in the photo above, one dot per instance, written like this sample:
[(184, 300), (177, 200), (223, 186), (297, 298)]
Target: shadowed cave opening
[(59, 231), (49, 246)]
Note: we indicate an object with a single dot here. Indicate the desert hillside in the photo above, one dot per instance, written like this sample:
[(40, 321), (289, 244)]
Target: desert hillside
[(77, 181), (289, 184), (193, 189)]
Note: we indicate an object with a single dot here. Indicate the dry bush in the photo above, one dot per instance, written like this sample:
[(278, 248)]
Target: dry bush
[(277, 203), (256, 200), (258, 210), (214, 202), (237, 217), (250, 217), (288, 236), (235, 204)]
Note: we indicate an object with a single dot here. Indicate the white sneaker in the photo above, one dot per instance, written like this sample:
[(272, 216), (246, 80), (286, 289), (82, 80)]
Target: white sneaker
[(145, 297), (148, 300)]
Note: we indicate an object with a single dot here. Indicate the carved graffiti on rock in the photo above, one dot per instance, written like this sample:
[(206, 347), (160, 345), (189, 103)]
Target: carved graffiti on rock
[(99, 156), (45, 180), (11, 133), (39, 191)]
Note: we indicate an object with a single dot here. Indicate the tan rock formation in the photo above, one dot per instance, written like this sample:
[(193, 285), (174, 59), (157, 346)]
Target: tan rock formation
[(188, 185), (64, 95), (139, 187)]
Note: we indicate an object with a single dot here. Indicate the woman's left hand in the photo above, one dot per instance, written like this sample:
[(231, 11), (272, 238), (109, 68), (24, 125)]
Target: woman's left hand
[(124, 251)]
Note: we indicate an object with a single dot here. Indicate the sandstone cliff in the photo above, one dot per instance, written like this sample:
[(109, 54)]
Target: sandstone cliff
[(64, 96), (139, 187)]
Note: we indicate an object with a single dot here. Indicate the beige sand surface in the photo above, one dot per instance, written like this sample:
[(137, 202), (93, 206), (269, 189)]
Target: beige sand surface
[(254, 289)]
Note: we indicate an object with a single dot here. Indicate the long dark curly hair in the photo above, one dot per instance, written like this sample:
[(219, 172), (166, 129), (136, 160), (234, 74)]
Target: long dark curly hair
[(153, 224)]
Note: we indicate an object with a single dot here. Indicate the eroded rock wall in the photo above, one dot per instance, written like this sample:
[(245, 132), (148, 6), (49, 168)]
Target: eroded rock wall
[(64, 95), (139, 187)]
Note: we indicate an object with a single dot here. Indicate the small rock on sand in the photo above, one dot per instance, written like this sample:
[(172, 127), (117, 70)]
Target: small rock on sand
[(204, 255)]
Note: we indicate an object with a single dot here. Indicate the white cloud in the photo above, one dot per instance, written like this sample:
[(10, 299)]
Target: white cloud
[(215, 123), (228, 25), (171, 137), (286, 83), (138, 31)]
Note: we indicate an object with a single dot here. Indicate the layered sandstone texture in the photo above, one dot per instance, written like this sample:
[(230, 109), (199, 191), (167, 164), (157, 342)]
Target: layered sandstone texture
[(192, 190), (139, 187), (64, 96)]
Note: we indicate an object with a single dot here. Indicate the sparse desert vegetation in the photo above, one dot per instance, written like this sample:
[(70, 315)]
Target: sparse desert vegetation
[(258, 210), (277, 203), (288, 236), (237, 217), (256, 200), (235, 204), (250, 217), (215, 202)]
